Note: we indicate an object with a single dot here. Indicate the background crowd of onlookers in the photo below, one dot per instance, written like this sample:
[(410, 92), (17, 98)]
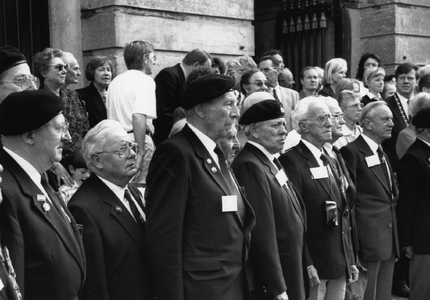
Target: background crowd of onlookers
[(133, 178)]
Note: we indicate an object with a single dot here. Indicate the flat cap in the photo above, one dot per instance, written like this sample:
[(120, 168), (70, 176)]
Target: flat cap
[(25, 111), (10, 57), (206, 88), (422, 118), (262, 111)]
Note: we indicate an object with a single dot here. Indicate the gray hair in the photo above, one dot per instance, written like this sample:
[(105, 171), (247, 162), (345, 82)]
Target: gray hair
[(300, 113), (420, 101), (95, 139), (369, 110)]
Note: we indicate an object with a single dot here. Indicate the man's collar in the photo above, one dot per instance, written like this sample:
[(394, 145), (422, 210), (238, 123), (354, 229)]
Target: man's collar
[(372, 144)]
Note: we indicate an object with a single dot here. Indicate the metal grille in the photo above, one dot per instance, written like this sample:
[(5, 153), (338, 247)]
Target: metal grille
[(25, 25)]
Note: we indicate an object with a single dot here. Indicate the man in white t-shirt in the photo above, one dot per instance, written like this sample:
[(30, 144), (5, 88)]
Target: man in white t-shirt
[(131, 101)]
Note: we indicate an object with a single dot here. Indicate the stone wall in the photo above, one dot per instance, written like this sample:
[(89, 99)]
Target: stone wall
[(223, 28)]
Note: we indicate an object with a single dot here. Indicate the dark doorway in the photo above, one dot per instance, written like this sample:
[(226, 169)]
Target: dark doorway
[(25, 25)]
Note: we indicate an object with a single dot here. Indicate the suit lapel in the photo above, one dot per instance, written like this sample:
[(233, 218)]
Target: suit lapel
[(73, 243), (118, 210), (312, 163), (364, 148)]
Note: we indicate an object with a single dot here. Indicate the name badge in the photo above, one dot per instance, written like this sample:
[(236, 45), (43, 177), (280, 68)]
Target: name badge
[(319, 173), (1, 285), (372, 160), (229, 203), (281, 177)]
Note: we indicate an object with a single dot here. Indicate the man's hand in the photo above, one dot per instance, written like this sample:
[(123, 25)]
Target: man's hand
[(314, 280), (409, 252), (282, 296), (355, 273), (62, 173)]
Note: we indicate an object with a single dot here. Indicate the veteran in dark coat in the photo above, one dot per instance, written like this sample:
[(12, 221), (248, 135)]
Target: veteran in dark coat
[(278, 243), (111, 211), (376, 199), (198, 219), (37, 228), (413, 210), (316, 177)]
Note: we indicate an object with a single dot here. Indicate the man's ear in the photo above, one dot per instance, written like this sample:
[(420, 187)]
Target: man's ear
[(97, 161), (28, 137), (303, 127), (253, 130), (200, 110), (366, 124)]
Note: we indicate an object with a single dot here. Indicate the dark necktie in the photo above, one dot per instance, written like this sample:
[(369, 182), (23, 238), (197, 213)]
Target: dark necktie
[(275, 95), (229, 180), (384, 166), (58, 210), (135, 212), (335, 191)]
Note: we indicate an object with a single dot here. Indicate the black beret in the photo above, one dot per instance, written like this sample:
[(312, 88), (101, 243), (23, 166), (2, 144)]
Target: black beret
[(262, 111), (206, 88), (10, 57), (422, 118), (25, 111)]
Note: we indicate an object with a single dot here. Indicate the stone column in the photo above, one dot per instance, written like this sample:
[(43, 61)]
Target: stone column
[(397, 30)]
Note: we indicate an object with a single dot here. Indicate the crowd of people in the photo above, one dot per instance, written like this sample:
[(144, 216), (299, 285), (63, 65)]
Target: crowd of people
[(214, 180)]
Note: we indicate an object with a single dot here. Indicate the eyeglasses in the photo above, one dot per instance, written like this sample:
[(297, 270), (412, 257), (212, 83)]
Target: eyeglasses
[(338, 116), (260, 83), (323, 119), (60, 67), (124, 149), (25, 82)]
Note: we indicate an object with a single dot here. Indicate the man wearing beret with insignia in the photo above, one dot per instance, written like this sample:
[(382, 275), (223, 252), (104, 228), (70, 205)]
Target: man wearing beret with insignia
[(43, 238), (413, 210), (198, 220), (15, 75), (278, 243)]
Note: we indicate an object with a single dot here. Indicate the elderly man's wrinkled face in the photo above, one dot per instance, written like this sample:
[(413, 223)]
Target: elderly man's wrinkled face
[(49, 141), (271, 135), (118, 158), (221, 116), (73, 72), (380, 123), (17, 79), (337, 120), (230, 145), (318, 123)]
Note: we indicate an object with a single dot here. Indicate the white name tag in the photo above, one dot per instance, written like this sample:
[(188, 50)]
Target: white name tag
[(1, 285), (372, 160), (281, 177), (319, 173), (229, 203)]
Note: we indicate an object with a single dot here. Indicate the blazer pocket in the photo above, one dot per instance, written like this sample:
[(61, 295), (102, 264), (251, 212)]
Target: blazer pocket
[(368, 232), (201, 263)]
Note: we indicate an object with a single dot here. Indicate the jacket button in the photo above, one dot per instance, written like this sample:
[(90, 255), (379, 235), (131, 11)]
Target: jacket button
[(390, 225)]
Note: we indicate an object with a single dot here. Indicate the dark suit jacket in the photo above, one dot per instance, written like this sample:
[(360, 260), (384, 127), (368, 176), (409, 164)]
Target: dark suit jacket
[(278, 241), (326, 91), (374, 205), (197, 251), (170, 85), (47, 256), (117, 266), (389, 145), (93, 103), (413, 209), (331, 254)]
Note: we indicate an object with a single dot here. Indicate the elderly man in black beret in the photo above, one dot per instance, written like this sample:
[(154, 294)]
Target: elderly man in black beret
[(198, 220), (413, 210), (15, 75), (277, 252), (42, 236)]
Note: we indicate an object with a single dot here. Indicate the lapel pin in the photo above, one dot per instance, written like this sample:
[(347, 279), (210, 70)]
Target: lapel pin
[(209, 161), (118, 209), (214, 170), (46, 206), (41, 198)]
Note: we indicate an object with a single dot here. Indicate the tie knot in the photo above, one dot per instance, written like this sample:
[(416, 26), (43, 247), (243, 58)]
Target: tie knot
[(277, 163), (127, 195), (324, 159)]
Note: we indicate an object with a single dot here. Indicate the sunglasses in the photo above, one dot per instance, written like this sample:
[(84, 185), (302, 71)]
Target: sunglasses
[(60, 67)]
